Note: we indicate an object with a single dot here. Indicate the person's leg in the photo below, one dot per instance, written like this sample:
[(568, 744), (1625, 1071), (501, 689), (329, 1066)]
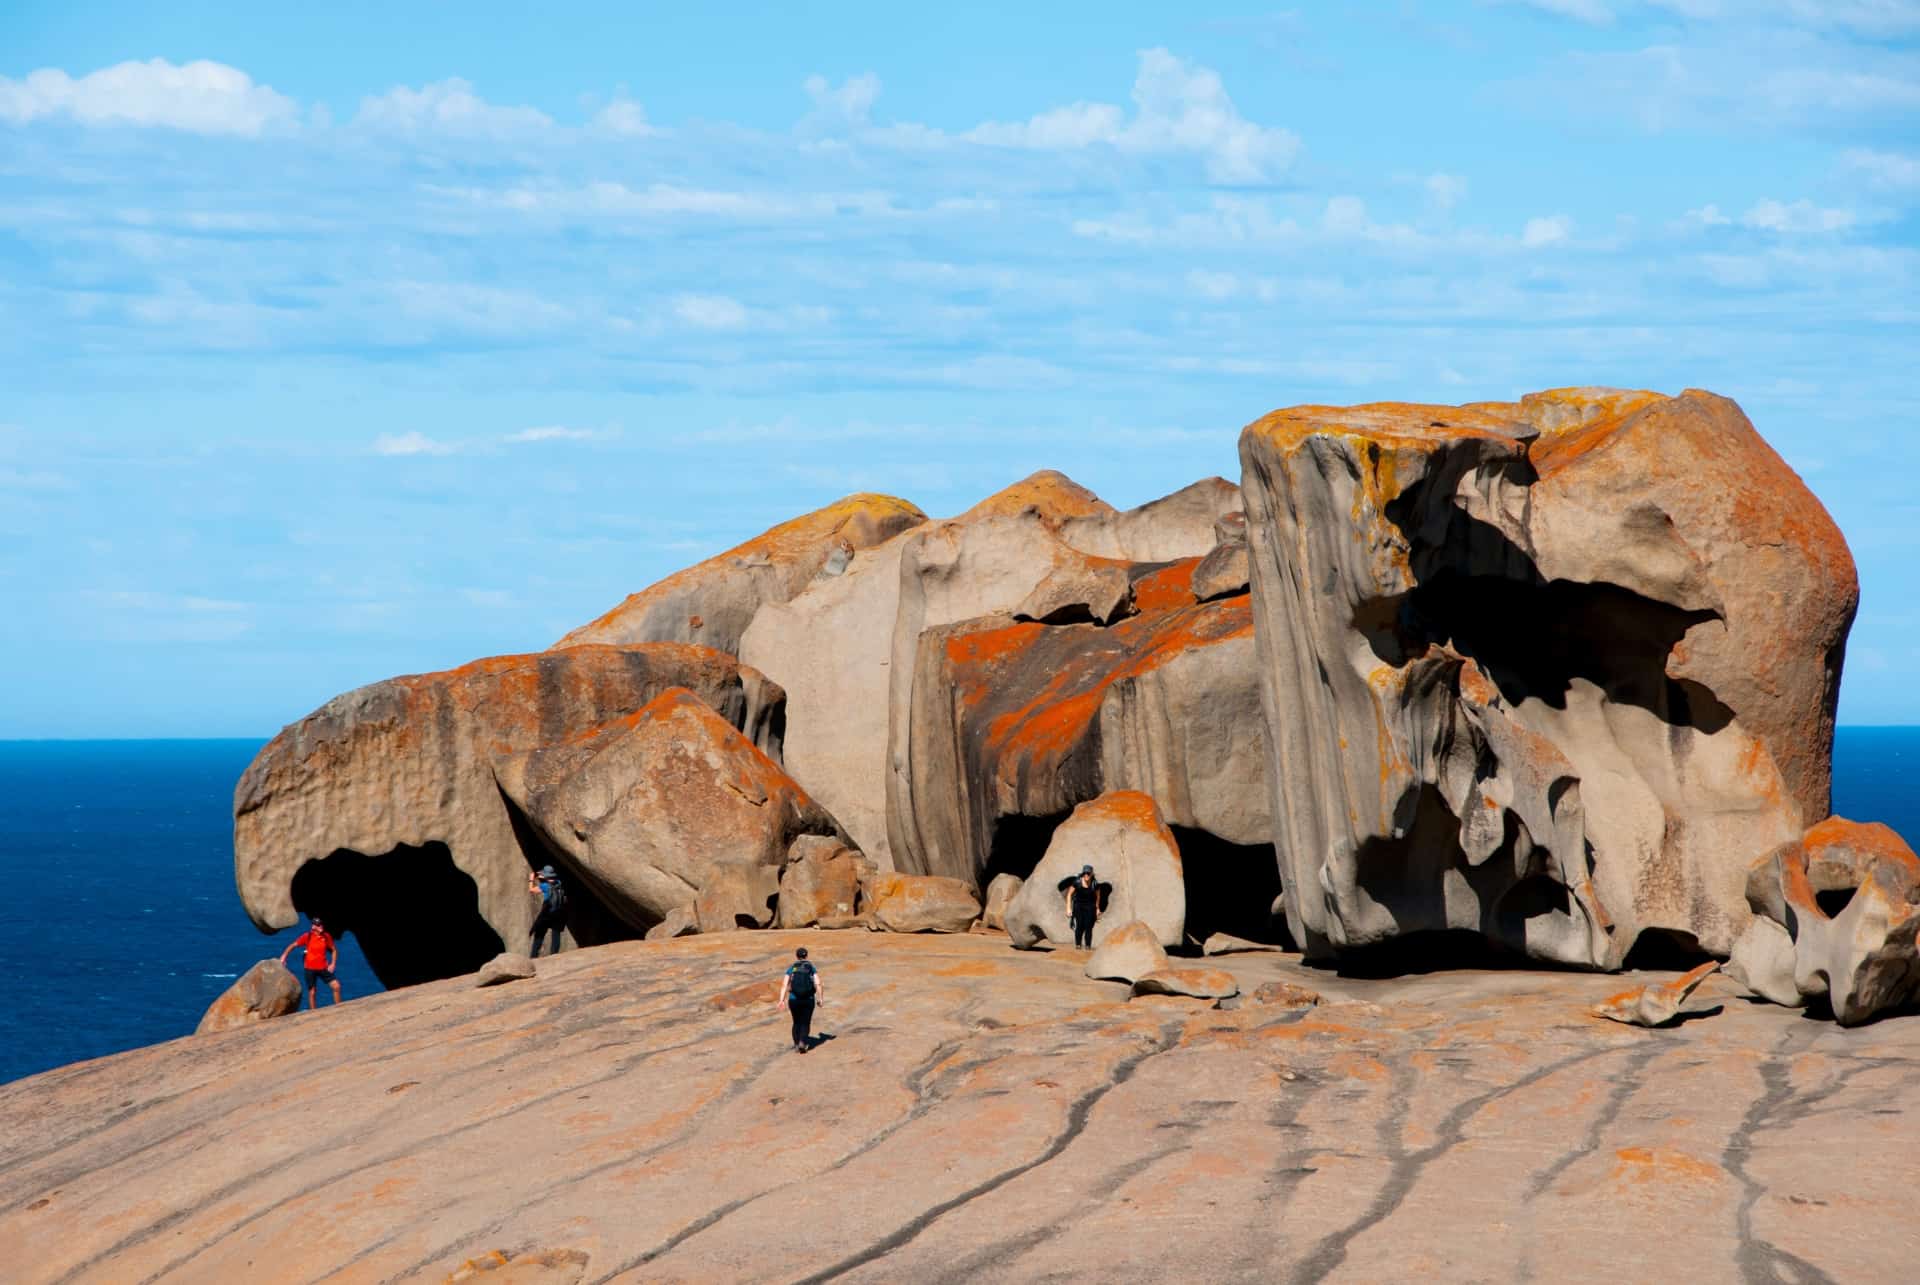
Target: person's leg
[(539, 927), (553, 943), (802, 1021), (335, 984), (313, 989)]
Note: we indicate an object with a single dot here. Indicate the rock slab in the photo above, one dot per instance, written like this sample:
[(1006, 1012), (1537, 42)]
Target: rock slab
[(1120, 834), (263, 991)]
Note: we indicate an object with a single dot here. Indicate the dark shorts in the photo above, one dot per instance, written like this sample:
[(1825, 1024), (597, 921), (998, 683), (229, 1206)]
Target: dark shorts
[(319, 975)]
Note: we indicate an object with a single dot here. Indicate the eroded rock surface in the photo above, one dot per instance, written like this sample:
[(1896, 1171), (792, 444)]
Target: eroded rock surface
[(646, 808), (1656, 1003), (1133, 856), (922, 903), (508, 966), (1551, 672), (981, 1112), (380, 810), (1130, 951), (263, 991), (1836, 916)]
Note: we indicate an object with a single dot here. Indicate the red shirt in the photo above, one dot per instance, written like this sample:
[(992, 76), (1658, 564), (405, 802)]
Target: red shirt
[(318, 942)]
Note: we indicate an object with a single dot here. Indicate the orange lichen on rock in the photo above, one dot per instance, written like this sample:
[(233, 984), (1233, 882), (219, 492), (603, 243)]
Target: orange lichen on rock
[(1051, 495), (1167, 589)]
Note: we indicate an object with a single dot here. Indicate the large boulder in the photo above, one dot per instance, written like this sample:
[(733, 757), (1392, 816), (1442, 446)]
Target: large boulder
[(713, 602), (1130, 951), (922, 903), (1121, 835), (1546, 671), (381, 813), (821, 881), (263, 991), (1836, 915), (647, 808), (1001, 890), (735, 895), (1013, 724)]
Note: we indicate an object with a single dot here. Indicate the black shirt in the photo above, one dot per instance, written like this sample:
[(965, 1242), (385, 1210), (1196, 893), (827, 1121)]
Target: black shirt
[(1086, 897)]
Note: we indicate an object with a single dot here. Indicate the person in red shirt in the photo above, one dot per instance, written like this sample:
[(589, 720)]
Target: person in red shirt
[(322, 957)]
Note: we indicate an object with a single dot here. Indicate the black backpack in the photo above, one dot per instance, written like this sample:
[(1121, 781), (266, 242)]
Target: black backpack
[(800, 981), (555, 899)]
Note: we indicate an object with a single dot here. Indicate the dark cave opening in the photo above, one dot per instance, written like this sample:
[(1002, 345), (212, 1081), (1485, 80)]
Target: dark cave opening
[(1832, 901), (589, 920), (1231, 888), (415, 914), (1018, 844), (1664, 950)]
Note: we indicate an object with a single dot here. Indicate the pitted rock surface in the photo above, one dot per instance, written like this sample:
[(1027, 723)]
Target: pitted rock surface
[(979, 1112)]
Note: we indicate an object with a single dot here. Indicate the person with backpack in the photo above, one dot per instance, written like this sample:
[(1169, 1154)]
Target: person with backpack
[(1083, 905), (799, 992), (322, 957), (552, 918)]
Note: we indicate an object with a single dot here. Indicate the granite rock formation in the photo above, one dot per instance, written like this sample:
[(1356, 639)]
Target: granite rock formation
[(645, 808), (1133, 855), (821, 882), (1550, 672), (507, 966), (1656, 1003), (922, 903), (1130, 951), (381, 811), (263, 991), (1836, 916)]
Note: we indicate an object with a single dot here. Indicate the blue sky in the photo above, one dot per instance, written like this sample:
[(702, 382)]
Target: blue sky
[(346, 340)]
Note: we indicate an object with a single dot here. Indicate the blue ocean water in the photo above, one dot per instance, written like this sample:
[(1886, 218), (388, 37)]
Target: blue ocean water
[(120, 923)]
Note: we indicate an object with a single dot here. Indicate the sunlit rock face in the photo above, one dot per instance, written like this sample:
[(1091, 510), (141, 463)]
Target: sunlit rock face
[(1554, 672)]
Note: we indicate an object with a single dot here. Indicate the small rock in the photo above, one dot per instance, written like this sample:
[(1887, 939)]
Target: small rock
[(922, 903), (1200, 983), (737, 895), (680, 922), (1130, 951), (1654, 1005), (1000, 894), (265, 990), (1285, 995), (504, 967), (1228, 944)]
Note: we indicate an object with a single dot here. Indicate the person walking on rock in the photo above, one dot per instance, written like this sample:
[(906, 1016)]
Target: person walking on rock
[(552, 918), (1083, 905), (799, 992), (322, 957)]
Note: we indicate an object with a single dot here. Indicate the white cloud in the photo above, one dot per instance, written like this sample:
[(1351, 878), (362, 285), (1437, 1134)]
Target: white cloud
[(710, 311), (624, 117), (555, 433), (663, 200), (1551, 230), (199, 97), (446, 107), (1444, 191), (1599, 13), (1213, 285), (1707, 216), (1178, 107), (413, 443), (1801, 216), (493, 599), (851, 103), (1884, 169)]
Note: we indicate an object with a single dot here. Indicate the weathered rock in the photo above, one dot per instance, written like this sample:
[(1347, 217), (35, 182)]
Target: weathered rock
[(1228, 944), (844, 649), (523, 1267), (1225, 571), (736, 894), (680, 922), (1836, 915), (713, 602), (1285, 995), (263, 991), (618, 1109), (821, 881), (922, 903), (504, 967), (644, 810), (1654, 1004), (1542, 671), (1121, 835), (1199, 983), (1013, 723), (1130, 951), (1000, 894), (1085, 589), (380, 811)]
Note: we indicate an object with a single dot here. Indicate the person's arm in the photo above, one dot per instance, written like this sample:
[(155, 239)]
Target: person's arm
[(786, 980), (819, 988), (1066, 899), (290, 948), (333, 955)]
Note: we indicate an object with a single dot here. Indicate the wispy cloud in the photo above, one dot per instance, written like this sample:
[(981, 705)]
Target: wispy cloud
[(710, 311), (411, 443), (198, 97), (1800, 216), (1549, 230), (557, 433), (448, 107), (1884, 169)]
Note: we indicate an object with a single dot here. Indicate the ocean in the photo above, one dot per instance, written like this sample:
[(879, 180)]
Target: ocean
[(120, 922)]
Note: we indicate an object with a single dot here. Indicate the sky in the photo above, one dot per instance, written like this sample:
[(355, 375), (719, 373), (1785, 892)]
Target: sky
[(347, 340)]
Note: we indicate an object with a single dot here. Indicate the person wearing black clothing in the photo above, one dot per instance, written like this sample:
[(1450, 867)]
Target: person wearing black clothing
[(552, 917), (1083, 906), (799, 992)]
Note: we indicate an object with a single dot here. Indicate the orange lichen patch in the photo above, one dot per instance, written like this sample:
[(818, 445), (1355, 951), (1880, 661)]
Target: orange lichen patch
[(1392, 424), (991, 645), (970, 968), (1129, 806), (1168, 589), (761, 992), (1870, 838), (858, 521), (1052, 495), (1358, 1066), (1662, 1164)]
